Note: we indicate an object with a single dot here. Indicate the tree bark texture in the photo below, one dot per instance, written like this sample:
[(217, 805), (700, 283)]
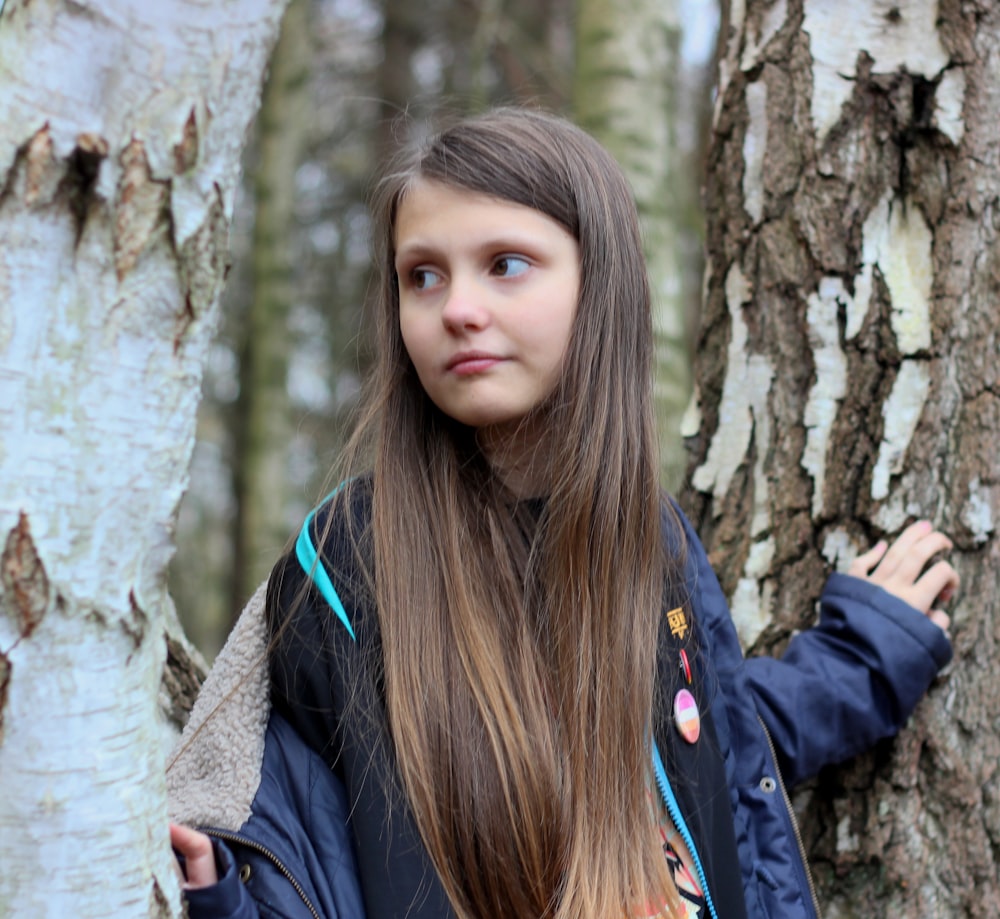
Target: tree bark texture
[(848, 382), (121, 125), (625, 94), (264, 420)]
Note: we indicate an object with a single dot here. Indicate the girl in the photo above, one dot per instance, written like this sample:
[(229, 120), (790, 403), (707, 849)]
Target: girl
[(502, 680)]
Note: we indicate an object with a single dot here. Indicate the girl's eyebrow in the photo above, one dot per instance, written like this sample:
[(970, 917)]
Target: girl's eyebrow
[(504, 240), (415, 249)]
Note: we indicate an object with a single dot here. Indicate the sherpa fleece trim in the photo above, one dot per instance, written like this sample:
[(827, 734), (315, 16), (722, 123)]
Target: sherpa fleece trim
[(214, 771)]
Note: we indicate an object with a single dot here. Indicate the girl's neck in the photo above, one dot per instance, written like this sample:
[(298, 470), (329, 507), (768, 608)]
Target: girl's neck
[(520, 456)]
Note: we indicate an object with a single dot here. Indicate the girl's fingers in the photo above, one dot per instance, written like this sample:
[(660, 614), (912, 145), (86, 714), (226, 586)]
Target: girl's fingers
[(860, 567), (940, 618), (199, 858), (919, 554), (946, 595), (899, 568), (905, 547), (900, 547), (939, 580)]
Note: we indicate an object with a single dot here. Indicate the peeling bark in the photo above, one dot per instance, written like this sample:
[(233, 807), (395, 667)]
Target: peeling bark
[(141, 208), (4, 682), (853, 194), (25, 586), (120, 131)]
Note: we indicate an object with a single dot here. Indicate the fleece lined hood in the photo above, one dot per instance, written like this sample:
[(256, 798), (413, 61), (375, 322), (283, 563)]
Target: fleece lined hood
[(214, 771)]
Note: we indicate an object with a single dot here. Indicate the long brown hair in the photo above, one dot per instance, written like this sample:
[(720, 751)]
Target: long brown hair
[(519, 639)]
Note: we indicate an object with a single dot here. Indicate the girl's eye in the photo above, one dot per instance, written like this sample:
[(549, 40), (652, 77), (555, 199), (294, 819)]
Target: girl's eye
[(424, 278), (509, 266)]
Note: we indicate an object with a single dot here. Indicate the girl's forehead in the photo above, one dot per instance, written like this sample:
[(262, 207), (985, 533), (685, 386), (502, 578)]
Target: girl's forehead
[(435, 214), (424, 201), (423, 188)]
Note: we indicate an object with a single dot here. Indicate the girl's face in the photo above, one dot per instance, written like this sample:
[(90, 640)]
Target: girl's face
[(488, 293)]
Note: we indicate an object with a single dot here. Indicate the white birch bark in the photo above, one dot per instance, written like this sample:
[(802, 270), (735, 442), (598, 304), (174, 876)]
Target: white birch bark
[(121, 124)]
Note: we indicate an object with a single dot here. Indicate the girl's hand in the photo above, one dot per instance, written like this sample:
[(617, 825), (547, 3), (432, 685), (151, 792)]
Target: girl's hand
[(899, 569), (199, 856)]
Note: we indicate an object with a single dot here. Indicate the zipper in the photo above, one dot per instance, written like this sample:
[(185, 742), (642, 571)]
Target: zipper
[(667, 793), (791, 817), (226, 836)]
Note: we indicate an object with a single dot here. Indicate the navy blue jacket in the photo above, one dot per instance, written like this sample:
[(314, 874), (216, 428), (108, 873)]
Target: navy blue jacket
[(321, 812)]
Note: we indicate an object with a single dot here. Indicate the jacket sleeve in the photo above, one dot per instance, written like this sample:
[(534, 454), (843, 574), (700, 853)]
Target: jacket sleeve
[(849, 681), (841, 686), (227, 899)]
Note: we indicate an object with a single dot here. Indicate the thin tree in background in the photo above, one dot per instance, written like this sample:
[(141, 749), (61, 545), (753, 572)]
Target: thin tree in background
[(533, 53), (848, 374), (120, 135), (318, 203), (404, 32), (264, 423), (466, 55), (625, 93)]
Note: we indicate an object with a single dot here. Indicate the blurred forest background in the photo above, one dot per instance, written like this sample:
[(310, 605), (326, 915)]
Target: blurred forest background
[(349, 80)]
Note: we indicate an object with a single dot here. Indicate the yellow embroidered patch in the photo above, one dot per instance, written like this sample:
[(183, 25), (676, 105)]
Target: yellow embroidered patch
[(678, 622)]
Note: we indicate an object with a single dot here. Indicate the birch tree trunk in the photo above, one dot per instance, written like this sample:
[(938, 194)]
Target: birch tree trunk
[(121, 125), (849, 383), (625, 94)]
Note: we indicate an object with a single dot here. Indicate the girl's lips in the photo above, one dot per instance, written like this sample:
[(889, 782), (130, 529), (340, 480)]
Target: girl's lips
[(472, 362)]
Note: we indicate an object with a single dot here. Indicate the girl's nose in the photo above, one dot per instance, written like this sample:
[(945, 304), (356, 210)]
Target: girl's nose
[(464, 309)]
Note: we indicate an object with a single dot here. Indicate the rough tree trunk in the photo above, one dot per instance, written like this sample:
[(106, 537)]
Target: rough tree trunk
[(625, 94), (849, 384), (121, 125)]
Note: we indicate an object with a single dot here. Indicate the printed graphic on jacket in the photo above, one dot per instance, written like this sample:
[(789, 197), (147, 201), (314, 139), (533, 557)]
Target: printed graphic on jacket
[(692, 899)]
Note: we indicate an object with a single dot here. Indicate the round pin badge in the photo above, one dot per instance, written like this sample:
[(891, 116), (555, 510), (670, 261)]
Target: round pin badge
[(686, 716)]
